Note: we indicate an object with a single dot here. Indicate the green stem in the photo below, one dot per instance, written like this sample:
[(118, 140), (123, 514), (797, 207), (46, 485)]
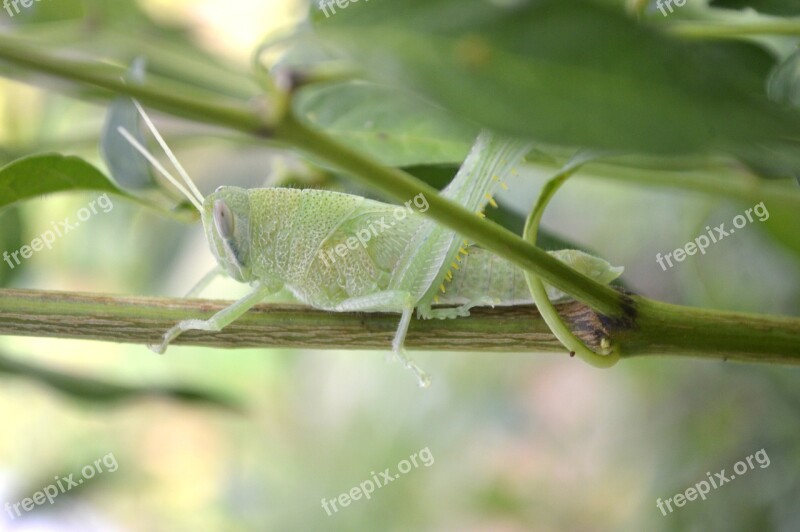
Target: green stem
[(716, 30), (561, 331), (174, 98), (163, 55), (673, 330)]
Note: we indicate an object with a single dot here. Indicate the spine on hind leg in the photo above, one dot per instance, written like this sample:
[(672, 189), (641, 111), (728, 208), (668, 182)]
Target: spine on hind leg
[(491, 160)]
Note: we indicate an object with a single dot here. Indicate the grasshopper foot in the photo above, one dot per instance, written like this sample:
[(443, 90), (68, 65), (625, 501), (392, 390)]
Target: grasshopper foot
[(423, 379), (186, 325)]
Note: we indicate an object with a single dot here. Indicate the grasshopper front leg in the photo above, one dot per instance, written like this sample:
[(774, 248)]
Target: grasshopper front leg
[(218, 321)]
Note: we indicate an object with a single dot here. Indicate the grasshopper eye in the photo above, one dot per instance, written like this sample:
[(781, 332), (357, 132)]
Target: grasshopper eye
[(223, 220)]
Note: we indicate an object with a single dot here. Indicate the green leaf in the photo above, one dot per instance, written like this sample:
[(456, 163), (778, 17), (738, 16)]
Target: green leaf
[(782, 225), (567, 73), (127, 166), (778, 161), (303, 49), (392, 126), (10, 239), (37, 175), (783, 85), (96, 391)]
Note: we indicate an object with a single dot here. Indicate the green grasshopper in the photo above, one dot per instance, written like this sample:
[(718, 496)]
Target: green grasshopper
[(344, 253)]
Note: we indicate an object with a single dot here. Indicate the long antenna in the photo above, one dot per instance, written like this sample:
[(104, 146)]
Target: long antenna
[(147, 155), (174, 160)]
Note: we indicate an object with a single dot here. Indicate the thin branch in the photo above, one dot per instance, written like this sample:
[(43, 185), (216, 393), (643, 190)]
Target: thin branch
[(730, 30), (659, 329), (179, 99), (141, 320)]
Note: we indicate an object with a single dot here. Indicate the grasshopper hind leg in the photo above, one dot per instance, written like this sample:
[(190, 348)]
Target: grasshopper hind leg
[(423, 379), (391, 301)]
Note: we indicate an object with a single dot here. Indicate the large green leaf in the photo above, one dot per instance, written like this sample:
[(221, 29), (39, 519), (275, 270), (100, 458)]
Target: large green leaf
[(37, 175), (393, 126), (568, 73)]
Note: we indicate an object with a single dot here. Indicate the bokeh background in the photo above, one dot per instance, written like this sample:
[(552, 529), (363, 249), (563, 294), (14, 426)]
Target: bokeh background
[(522, 441)]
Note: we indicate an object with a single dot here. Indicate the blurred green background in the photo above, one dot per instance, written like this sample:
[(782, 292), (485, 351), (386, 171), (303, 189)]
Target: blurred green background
[(521, 441)]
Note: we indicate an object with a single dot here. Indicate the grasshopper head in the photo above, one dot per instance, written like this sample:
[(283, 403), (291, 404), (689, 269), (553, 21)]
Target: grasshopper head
[(225, 213), (226, 219)]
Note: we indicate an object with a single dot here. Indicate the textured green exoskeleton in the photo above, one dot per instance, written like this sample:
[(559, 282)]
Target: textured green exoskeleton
[(341, 252)]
